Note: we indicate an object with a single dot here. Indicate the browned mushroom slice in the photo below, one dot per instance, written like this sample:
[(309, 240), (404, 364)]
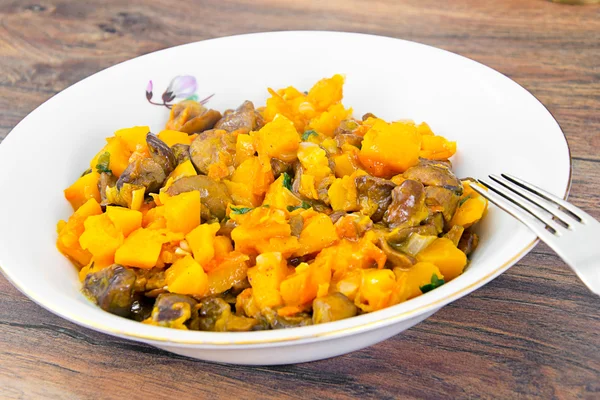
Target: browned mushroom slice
[(279, 167), (214, 314), (161, 153), (243, 119), (434, 175), (106, 180), (172, 310), (349, 138), (143, 172), (181, 152), (395, 257), (112, 289), (213, 147), (443, 200), (333, 307), (374, 195), (191, 117), (408, 205), (213, 195), (468, 242)]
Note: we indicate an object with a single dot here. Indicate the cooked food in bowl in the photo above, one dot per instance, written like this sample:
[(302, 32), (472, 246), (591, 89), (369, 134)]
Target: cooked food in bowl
[(291, 214)]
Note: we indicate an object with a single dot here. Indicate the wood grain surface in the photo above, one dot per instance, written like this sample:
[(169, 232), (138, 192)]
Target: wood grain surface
[(534, 332)]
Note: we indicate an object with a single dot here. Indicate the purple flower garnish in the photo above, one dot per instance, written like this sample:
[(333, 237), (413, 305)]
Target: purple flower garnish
[(180, 86), (149, 90)]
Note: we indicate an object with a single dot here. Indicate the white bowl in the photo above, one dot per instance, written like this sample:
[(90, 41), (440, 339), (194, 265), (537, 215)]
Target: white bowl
[(498, 125)]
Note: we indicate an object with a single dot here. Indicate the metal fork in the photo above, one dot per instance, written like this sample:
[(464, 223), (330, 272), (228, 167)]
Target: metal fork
[(572, 233)]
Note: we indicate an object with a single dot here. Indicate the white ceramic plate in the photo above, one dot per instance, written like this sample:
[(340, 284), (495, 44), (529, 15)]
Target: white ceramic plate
[(498, 125)]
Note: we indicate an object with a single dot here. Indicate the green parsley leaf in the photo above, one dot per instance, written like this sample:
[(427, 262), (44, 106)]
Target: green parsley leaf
[(304, 206), (287, 181), (435, 283), (240, 210), (104, 163), (308, 134), (87, 171), (464, 200)]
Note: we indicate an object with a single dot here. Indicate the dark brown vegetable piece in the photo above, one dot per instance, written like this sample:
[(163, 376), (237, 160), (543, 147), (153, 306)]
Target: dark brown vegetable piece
[(279, 167), (442, 200), (211, 147), (374, 195), (112, 289), (296, 224), (434, 175), (161, 153), (214, 314), (106, 180), (398, 236), (172, 310), (349, 138), (333, 307), (198, 118), (395, 257), (408, 205), (213, 195), (143, 172), (243, 119), (468, 242), (181, 152)]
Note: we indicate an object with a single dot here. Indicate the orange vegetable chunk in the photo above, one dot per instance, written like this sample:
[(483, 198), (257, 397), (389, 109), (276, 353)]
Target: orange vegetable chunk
[(124, 219), (182, 212), (141, 249), (444, 254), (186, 276), (84, 188)]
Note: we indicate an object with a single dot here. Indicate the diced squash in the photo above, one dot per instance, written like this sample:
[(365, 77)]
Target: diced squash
[(186, 276), (70, 232), (279, 196), (266, 277), (376, 289), (472, 207), (119, 155), (251, 174), (444, 254), (141, 249), (388, 149), (223, 246), (314, 159), (124, 219), (328, 121), (182, 212), (171, 138), (134, 137), (258, 227), (436, 148), (343, 195), (318, 232), (346, 163), (227, 271), (412, 280), (101, 238), (242, 194), (277, 139), (84, 188), (244, 148), (184, 169), (306, 283), (326, 92), (201, 241)]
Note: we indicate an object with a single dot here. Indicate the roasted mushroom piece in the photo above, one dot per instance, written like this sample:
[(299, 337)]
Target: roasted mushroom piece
[(192, 117), (105, 181), (213, 195), (161, 153), (171, 310), (243, 119), (181, 152), (439, 199), (468, 242), (279, 167), (408, 205), (348, 138), (143, 172), (112, 289), (430, 174), (332, 307), (213, 147), (214, 314), (374, 195)]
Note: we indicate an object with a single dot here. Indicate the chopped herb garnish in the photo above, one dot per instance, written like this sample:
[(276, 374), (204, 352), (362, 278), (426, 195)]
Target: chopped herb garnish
[(305, 92), (193, 97), (287, 181), (240, 210), (266, 206), (464, 200), (104, 163), (435, 283), (87, 171), (308, 134), (304, 206)]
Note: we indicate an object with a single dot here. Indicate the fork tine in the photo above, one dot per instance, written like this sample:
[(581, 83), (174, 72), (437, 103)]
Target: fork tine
[(531, 222), (583, 216), (542, 203), (513, 197)]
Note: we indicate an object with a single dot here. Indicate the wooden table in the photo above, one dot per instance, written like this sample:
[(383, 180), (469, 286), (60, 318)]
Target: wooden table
[(532, 332)]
